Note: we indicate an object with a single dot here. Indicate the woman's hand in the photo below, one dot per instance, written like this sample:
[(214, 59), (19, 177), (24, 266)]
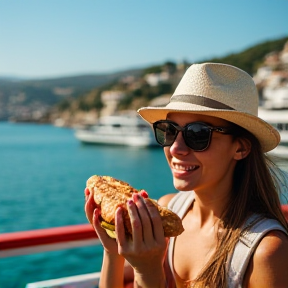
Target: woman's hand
[(89, 205), (145, 251), (92, 214)]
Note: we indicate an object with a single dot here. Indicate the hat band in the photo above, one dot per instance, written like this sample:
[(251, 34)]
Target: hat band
[(200, 100)]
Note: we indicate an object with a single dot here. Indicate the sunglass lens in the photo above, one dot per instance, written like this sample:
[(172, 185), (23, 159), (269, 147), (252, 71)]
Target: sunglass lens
[(197, 136), (165, 133)]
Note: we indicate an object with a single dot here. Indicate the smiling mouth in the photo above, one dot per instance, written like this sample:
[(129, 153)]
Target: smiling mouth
[(184, 168)]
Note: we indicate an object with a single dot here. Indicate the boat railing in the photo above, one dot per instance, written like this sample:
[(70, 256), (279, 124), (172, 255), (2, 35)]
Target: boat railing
[(50, 239), (57, 238)]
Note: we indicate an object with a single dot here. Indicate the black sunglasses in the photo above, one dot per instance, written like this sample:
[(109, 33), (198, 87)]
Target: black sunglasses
[(197, 135)]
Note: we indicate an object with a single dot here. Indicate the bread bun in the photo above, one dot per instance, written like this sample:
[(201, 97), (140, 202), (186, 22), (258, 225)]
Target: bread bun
[(110, 193)]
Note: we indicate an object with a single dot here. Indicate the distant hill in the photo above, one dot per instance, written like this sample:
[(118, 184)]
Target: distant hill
[(25, 100), (250, 59), (19, 98), (80, 82), (84, 81)]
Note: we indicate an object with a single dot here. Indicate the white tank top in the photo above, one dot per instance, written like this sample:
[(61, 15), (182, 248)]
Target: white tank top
[(238, 260)]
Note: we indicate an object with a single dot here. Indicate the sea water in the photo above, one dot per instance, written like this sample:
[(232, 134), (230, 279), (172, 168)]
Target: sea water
[(42, 179)]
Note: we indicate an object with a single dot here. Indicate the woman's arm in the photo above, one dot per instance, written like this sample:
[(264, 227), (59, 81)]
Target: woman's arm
[(268, 267), (112, 272)]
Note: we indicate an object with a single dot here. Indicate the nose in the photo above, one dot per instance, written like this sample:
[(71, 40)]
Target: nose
[(179, 146)]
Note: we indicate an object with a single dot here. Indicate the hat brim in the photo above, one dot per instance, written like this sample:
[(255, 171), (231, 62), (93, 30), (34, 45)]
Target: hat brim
[(267, 135)]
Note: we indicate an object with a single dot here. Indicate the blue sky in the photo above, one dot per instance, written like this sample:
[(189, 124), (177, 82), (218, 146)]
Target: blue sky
[(52, 38)]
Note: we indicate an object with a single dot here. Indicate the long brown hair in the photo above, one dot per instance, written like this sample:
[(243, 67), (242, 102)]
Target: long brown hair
[(255, 190)]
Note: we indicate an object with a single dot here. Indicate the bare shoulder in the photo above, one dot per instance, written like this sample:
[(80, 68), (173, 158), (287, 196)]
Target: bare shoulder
[(268, 267), (164, 200), (274, 242)]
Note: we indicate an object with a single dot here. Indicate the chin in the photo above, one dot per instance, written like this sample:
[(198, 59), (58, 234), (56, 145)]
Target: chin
[(182, 185)]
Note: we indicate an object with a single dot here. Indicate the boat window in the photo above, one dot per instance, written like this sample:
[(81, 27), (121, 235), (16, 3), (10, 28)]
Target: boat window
[(279, 126), (282, 126), (116, 125)]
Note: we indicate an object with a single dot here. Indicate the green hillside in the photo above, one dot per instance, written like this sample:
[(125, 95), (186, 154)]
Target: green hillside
[(250, 59)]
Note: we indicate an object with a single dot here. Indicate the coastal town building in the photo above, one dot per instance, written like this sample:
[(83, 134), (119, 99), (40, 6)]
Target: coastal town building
[(272, 80)]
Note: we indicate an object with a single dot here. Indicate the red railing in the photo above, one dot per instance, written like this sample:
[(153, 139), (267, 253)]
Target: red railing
[(28, 242), (285, 211)]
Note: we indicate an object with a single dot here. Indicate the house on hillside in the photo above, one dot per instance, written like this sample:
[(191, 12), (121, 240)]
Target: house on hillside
[(272, 80), (110, 100)]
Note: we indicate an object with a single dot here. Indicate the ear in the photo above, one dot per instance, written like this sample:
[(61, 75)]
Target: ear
[(243, 148)]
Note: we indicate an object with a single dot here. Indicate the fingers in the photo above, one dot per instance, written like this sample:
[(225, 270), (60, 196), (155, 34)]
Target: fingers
[(136, 223), (89, 205), (95, 219), (96, 223), (93, 213), (109, 244), (143, 224), (154, 214), (144, 194), (145, 220), (119, 226), (86, 193)]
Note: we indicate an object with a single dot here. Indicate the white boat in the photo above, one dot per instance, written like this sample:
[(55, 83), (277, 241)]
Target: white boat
[(275, 97), (278, 119), (280, 151), (124, 129)]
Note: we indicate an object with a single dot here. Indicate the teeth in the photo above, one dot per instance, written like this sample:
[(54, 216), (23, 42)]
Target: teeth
[(184, 168)]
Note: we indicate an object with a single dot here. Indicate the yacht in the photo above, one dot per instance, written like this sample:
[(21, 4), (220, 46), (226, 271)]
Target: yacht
[(279, 119), (123, 129)]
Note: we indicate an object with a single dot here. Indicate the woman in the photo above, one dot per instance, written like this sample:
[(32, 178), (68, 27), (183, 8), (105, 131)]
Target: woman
[(235, 233)]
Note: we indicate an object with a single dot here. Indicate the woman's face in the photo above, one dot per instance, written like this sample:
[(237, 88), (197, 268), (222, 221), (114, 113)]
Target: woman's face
[(206, 170)]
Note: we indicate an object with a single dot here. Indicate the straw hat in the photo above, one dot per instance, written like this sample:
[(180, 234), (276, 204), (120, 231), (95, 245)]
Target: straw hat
[(222, 91)]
